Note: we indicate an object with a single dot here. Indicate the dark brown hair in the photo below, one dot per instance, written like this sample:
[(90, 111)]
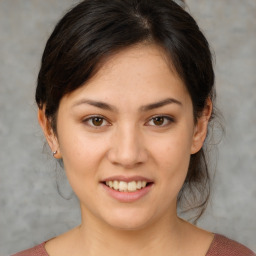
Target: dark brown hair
[(94, 30)]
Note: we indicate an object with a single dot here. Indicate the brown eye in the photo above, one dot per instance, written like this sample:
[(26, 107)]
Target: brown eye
[(97, 121), (158, 121)]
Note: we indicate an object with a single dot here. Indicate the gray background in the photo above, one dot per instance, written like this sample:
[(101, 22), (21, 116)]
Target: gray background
[(31, 209)]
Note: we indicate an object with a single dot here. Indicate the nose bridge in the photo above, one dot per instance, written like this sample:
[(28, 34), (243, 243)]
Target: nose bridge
[(127, 148)]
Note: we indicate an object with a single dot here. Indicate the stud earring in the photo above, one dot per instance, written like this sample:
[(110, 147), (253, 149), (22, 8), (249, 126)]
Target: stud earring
[(54, 153)]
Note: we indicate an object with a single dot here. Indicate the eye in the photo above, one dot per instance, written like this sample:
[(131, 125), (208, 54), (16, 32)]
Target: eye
[(160, 121), (96, 121)]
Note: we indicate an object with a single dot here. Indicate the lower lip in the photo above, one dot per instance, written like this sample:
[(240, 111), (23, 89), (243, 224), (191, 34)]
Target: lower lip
[(127, 197)]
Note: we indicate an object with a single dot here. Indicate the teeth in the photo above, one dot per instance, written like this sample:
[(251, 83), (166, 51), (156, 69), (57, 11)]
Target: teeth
[(138, 185), (132, 186), (126, 186), (143, 184), (115, 185), (123, 186)]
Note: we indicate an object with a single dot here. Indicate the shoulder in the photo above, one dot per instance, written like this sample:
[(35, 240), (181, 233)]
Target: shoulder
[(38, 250), (221, 245)]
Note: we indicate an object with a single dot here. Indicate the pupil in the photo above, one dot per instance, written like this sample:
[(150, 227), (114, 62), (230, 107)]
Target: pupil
[(158, 120), (97, 121)]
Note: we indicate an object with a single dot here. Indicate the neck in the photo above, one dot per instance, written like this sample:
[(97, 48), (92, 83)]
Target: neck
[(155, 239)]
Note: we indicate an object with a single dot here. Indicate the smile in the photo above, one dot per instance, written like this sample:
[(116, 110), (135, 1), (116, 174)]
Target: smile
[(123, 186)]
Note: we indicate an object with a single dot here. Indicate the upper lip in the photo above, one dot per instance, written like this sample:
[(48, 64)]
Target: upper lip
[(127, 179)]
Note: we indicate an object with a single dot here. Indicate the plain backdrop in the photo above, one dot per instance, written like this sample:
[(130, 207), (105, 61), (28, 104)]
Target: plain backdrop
[(32, 211)]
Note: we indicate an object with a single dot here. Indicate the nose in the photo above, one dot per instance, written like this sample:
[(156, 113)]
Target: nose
[(127, 148)]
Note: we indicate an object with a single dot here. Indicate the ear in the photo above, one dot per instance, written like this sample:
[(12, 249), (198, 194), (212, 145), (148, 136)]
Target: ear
[(201, 127), (48, 133)]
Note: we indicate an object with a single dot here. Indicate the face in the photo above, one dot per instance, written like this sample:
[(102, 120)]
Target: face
[(126, 138)]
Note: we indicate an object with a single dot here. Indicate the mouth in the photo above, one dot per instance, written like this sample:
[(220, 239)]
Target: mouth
[(123, 186), (127, 189)]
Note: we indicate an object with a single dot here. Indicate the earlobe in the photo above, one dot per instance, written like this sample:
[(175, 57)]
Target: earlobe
[(48, 133), (201, 127)]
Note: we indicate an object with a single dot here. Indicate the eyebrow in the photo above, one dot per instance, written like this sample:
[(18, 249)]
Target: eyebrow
[(106, 106), (160, 104), (98, 104)]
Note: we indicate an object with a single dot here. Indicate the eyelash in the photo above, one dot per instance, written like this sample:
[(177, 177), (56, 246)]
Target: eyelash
[(167, 121)]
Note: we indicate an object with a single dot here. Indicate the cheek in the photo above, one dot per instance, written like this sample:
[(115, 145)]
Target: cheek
[(81, 165), (81, 154), (172, 155), (174, 149)]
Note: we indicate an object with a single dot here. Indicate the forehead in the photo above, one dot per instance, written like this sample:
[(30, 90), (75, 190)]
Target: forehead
[(135, 74), (139, 57)]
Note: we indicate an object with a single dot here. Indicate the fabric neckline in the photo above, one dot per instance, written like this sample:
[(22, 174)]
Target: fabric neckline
[(208, 251)]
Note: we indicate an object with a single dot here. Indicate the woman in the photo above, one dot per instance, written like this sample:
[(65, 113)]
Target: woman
[(125, 95)]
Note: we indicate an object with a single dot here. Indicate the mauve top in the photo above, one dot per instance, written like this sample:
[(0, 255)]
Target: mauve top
[(221, 246)]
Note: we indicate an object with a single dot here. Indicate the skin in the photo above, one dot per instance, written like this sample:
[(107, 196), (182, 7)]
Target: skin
[(129, 141)]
